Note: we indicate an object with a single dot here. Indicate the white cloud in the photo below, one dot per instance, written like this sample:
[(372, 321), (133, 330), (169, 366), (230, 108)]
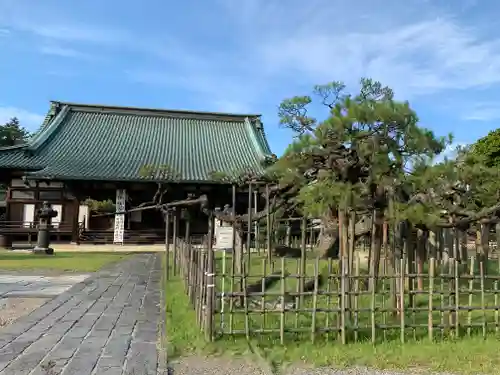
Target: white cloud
[(418, 50), (224, 93), (420, 58), (416, 47), (78, 33), (483, 111), (450, 152), (44, 21), (62, 73), (228, 106), (31, 121), (55, 50)]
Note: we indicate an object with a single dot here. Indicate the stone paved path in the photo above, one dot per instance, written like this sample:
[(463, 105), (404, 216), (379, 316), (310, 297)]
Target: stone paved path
[(37, 286), (107, 324)]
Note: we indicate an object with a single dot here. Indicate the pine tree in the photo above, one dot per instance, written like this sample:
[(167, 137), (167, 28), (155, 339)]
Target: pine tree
[(12, 133), (356, 158)]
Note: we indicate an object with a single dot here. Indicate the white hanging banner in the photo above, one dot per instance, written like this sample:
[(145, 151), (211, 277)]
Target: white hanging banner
[(29, 216), (121, 197), (83, 215), (56, 221)]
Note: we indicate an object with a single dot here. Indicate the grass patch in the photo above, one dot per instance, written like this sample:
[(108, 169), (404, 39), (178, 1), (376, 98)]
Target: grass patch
[(60, 261), (463, 355), (183, 334)]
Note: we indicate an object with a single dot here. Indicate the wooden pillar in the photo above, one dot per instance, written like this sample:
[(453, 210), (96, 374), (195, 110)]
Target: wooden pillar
[(75, 227), (7, 240)]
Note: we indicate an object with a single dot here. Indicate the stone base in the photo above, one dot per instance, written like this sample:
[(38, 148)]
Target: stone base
[(41, 250), (5, 241)]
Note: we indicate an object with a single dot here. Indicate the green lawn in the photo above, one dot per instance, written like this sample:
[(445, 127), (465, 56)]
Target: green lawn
[(467, 354), (319, 312), (184, 336), (60, 261)]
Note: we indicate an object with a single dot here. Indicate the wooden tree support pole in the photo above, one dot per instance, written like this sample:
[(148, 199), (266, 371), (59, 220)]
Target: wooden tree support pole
[(175, 225), (167, 244)]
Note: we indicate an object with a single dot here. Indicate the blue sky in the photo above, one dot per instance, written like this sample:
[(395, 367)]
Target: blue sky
[(248, 55)]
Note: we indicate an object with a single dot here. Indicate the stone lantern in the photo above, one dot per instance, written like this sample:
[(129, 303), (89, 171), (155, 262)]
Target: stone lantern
[(45, 214)]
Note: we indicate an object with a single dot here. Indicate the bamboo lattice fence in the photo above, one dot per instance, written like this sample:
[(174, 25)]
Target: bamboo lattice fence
[(251, 291)]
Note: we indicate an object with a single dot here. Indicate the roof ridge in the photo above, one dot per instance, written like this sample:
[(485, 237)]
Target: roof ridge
[(50, 127), (260, 144), (159, 111), (13, 147), (80, 143)]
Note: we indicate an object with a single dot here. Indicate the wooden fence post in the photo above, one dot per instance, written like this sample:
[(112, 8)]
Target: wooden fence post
[(167, 243), (174, 238), (210, 283)]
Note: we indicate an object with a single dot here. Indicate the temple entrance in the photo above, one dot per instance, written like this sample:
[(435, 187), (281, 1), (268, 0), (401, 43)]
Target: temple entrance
[(149, 219)]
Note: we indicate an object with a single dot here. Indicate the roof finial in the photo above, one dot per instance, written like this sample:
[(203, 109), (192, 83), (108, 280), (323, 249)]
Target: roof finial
[(258, 123)]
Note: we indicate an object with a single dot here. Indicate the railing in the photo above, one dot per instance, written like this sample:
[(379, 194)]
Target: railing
[(191, 261), (26, 226), (24, 233), (136, 237)]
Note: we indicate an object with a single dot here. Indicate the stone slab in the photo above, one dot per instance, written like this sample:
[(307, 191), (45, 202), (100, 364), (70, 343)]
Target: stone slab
[(95, 327)]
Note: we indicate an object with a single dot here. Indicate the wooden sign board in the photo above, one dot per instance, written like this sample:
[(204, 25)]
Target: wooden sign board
[(224, 237)]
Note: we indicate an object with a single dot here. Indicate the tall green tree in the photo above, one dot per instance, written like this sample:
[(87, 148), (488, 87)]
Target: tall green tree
[(356, 156), (463, 193), (12, 133), (488, 148), (453, 190)]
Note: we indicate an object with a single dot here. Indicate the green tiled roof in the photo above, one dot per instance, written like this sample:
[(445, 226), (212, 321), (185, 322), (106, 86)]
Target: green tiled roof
[(92, 142)]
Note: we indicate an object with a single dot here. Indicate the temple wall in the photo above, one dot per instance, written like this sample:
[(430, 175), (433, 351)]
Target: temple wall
[(23, 199)]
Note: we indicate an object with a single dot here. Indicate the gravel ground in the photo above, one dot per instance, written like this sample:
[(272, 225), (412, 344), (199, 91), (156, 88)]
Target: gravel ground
[(198, 365), (37, 272), (13, 308), (353, 371)]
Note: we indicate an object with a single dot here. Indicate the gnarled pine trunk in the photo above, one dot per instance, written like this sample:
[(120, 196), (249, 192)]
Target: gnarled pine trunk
[(328, 244)]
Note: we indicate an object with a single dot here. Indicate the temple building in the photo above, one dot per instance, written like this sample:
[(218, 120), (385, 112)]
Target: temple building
[(101, 152)]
